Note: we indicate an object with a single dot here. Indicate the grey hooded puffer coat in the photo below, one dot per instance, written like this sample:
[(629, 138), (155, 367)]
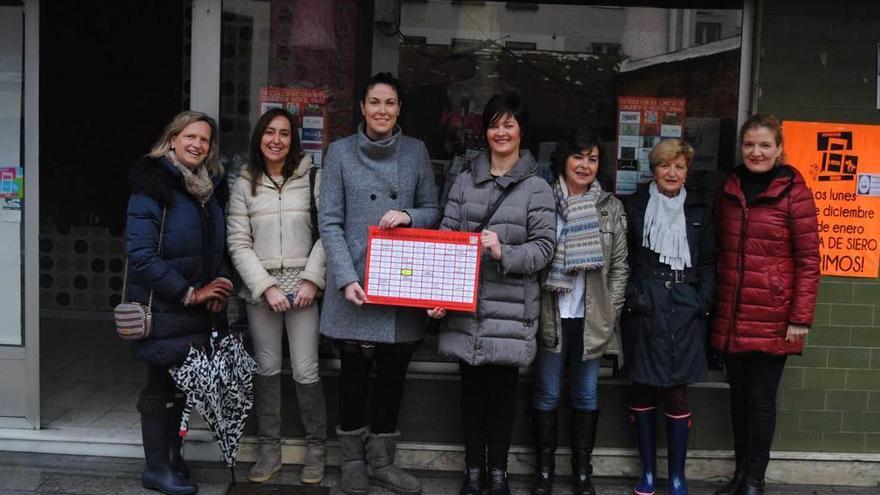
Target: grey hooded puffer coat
[(502, 330)]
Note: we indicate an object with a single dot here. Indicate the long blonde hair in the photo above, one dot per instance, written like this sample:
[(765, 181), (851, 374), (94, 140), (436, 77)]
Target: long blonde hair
[(177, 125)]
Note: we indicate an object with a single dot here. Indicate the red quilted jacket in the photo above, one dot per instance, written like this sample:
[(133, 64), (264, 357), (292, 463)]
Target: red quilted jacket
[(768, 265)]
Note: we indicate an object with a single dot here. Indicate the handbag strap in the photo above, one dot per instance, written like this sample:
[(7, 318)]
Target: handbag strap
[(494, 207), (313, 206), (158, 253)]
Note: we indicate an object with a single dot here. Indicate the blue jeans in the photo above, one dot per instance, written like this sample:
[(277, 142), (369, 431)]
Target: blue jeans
[(583, 375)]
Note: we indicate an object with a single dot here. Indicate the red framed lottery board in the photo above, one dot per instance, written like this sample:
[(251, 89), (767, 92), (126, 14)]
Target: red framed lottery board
[(423, 268)]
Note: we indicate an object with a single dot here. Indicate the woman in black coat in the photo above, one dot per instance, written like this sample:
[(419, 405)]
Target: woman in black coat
[(668, 297), (176, 248)]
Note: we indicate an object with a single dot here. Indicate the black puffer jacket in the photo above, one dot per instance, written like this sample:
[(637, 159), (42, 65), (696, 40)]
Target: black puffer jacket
[(193, 253)]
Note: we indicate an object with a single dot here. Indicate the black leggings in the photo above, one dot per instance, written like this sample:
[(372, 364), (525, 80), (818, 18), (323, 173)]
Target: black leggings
[(391, 362), (674, 398), (488, 408), (754, 382)]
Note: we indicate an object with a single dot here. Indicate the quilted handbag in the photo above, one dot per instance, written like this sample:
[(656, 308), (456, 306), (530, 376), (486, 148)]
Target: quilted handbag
[(134, 321)]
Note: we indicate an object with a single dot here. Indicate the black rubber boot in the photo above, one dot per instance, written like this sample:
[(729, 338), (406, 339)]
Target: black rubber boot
[(544, 424), (156, 417), (583, 437), (175, 441)]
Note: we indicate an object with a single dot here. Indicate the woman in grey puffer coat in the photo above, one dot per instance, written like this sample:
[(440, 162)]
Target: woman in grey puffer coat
[(499, 337), (380, 177)]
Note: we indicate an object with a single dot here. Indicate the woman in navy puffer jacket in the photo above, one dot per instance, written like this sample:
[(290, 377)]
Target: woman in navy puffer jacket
[(176, 248)]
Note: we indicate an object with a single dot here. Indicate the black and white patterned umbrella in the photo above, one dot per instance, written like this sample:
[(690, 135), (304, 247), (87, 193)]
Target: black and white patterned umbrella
[(218, 382)]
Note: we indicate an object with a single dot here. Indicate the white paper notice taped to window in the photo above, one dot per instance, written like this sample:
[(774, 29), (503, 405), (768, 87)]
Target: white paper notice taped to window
[(869, 185)]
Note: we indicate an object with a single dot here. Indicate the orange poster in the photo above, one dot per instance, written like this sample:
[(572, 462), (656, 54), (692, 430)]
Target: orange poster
[(841, 164)]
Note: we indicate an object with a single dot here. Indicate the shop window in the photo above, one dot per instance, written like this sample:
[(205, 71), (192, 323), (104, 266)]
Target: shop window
[(707, 32), (570, 61), (520, 45)]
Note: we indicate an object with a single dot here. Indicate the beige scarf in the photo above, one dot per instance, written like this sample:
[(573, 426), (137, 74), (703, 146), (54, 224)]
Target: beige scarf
[(197, 184)]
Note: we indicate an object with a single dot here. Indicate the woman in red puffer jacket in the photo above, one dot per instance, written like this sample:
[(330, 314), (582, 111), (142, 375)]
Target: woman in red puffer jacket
[(767, 283)]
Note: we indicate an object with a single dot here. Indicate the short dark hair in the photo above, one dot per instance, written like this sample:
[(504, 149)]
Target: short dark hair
[(257, 165), (574, 142), (381, 78), (503, 104)]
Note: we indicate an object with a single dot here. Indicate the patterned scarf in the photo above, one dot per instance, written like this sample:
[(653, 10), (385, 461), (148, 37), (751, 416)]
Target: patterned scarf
[(579, 247), (665, 228), (197, 184)]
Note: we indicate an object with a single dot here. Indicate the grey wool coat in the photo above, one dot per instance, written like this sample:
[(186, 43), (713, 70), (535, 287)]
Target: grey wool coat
[(502, 330), (360, 182)]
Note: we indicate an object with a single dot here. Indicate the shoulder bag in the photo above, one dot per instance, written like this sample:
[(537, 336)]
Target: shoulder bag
[(134, 321)]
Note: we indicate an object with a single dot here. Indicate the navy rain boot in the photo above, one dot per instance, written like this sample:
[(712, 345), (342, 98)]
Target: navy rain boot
[(677, 428), (645, 420)]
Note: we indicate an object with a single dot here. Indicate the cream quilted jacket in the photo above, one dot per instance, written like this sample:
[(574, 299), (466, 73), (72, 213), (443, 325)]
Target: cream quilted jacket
[(272, 230)]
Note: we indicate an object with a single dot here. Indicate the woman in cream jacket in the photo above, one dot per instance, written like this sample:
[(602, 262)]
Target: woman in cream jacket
[(273, 244)]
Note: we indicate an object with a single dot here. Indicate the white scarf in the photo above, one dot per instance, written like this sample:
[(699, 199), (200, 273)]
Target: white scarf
[(665, 230)]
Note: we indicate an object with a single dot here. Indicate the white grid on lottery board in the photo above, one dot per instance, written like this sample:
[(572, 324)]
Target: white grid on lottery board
[(427, 271)]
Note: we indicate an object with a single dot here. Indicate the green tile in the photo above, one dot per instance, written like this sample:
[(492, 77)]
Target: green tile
[(874, 401), (844, 442), (872, 442), (787, 420), (825, 379), (864, 337), (827, 421), (824, 335), (875, 359), (836, 293), (852, 314), (849, 358), (803, 399), (822, 314), (861, 421), (864, 294), (807, 441), (813, 357), (863, 379), (792, 378), (840, 400)]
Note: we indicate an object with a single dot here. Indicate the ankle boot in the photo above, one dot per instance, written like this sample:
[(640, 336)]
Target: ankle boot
[(545, 425), (677, 428), (752, 487), (646, 437), (583, 437), (353, 479), (498, 481), (473, 481), (175, 441), (381, 469), (267, 398), (733, 486), (313, 413), (155, 419)]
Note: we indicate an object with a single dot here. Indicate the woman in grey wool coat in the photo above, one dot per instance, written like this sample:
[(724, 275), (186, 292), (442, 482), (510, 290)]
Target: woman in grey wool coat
[(519, 236), (376, 176)]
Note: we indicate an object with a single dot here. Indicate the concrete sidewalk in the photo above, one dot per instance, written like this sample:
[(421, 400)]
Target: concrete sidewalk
[(27, 473)]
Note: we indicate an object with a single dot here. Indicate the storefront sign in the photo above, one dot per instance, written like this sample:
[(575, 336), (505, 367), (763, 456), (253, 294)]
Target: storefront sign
[(641, 123), (11, 182), (841, 164), (309, 109)]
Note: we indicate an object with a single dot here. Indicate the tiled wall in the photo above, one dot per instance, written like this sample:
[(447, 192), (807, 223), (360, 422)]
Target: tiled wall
[(819, 64)]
